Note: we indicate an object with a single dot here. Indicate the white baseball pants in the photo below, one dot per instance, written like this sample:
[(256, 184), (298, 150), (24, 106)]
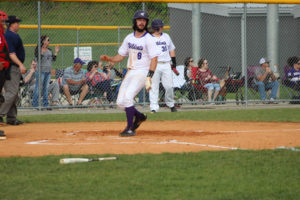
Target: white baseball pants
[(131, 85), (163, 73)]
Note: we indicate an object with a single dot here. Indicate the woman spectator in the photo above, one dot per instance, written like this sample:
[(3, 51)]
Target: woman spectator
[(97, 79), (205, 77), (293, 74), (188, 76), (47, 57)]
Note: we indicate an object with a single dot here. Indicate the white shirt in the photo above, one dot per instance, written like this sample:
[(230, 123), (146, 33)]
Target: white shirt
[(140, 51), (165, 45)]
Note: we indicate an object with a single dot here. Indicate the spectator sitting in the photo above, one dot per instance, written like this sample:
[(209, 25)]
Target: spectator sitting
[(29, 80), (74, 81), (98, 79), (265, 79), (208, 80), (293, 74), (184, 81)]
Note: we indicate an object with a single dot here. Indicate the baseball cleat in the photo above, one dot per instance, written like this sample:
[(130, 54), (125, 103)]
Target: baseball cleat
[(2, 135), (138, 121), (153, 111), (127, 133), (173, 109)]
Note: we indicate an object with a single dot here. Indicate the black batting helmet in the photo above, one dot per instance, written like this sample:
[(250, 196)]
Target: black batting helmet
[(157, 23), (140, 14)]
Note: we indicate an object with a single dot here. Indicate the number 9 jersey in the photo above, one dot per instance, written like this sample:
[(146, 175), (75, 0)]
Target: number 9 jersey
[(140, 51)]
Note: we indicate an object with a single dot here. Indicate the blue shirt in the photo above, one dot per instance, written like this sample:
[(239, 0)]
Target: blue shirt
[(15, 45)]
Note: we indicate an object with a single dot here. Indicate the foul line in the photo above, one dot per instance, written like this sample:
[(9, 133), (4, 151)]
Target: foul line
[(48, 142)]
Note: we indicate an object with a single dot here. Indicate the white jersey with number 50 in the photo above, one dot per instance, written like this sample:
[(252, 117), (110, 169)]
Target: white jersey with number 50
[(140, 51)]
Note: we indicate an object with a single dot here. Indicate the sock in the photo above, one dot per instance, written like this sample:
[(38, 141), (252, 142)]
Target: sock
[(130, 112), (137, 113)]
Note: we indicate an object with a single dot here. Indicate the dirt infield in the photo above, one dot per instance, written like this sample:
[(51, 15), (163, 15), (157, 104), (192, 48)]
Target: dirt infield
[(37, 139)]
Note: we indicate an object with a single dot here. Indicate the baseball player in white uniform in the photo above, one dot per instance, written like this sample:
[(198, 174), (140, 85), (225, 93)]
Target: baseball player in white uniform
[(163, 72), (142, 54)]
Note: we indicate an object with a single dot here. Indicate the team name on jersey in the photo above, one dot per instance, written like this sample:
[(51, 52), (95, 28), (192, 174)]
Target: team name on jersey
[(161, 43), (134, 46)]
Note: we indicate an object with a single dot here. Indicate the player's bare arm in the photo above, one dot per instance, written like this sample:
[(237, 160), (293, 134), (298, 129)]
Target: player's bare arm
[(152, 68), (115, 59)]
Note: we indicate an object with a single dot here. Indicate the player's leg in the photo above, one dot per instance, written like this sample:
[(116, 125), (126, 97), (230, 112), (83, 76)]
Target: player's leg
[(131, 85), (167, 81), (154, 92)]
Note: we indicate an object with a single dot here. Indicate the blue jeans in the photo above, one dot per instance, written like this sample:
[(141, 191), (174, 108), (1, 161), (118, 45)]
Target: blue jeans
[(270, 85), (45, 78), (212, 86)]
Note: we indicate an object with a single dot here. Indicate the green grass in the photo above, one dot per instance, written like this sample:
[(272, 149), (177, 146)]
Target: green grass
[(271, 115), (206, 175)]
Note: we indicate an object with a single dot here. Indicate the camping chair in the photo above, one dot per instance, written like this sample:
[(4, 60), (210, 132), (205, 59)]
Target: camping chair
[(292, 89), (253, 88), (199, 86)]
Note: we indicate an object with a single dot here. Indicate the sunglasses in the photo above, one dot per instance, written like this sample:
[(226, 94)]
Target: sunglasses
[(191, 61), (298, 63)]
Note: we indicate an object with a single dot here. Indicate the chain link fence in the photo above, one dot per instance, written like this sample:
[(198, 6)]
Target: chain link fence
[(91, 29)]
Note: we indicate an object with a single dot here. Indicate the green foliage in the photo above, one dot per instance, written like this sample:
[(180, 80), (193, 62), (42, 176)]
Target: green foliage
[(204, 175)]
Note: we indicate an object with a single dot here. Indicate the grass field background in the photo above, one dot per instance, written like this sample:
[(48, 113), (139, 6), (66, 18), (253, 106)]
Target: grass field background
[(237, 174)]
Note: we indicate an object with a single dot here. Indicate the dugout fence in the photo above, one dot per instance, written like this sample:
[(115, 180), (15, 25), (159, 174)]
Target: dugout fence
[(94, 28)]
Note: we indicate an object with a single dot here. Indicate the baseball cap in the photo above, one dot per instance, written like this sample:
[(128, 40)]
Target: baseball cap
[(78, 60), (12, 19), (264, 60)]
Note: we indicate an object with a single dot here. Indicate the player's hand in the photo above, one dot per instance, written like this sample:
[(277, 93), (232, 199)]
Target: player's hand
[(22, 69), (148, 83), (104, 58)]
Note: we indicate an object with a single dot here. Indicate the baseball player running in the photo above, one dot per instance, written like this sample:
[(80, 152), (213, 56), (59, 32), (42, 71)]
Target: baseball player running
[(142, 54), (164, 69)]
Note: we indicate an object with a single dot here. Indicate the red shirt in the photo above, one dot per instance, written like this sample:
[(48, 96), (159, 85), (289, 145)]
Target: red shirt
[(201, 77), (4, 51), (97, 78)]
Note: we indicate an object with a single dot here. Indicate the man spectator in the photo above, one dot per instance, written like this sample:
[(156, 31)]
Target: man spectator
[(11, 86), (265, 79), (74, 81), (30, 80)]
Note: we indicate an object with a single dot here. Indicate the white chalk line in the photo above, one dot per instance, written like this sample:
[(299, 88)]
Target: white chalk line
[(288, 148), (48, 142), (254, 131)]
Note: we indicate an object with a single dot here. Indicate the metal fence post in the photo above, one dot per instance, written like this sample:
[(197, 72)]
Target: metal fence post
[(39, 54), (244, 51), (77, 42)]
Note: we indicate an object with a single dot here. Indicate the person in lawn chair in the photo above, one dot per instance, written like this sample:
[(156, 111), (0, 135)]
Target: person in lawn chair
[(205, 78), (265, 79)]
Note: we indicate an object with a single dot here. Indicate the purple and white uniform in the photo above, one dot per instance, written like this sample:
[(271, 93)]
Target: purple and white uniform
[(140, 51), (163, 73)]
